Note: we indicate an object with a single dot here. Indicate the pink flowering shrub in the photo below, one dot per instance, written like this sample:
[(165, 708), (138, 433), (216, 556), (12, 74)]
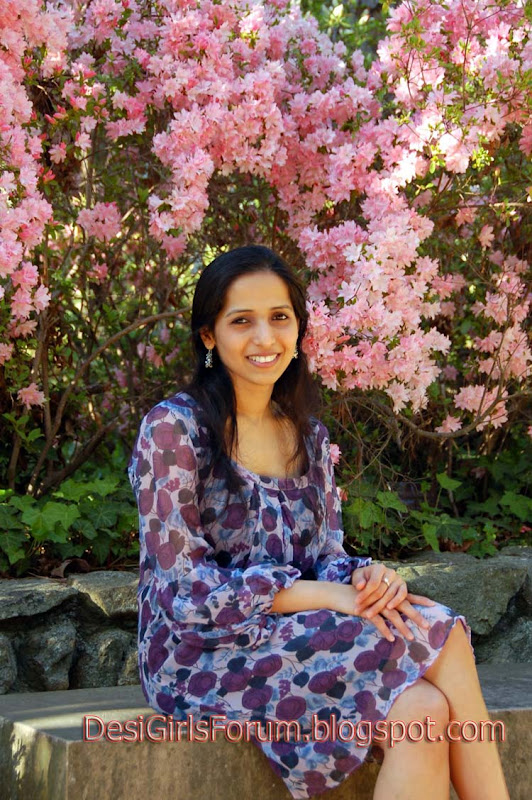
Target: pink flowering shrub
[(136, 141)]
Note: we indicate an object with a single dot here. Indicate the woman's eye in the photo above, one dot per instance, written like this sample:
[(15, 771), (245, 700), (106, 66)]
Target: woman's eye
[(243, 319)]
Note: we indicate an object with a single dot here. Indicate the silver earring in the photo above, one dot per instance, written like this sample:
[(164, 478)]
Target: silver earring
[(296, 353), (208, 359)]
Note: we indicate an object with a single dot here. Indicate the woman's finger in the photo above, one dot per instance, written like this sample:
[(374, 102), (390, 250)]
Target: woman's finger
[(376, 585), (375, 574), (382, 627), (413, 614), (400, 595), (420, 600), (388, 596), (396, 619), (364, 605)]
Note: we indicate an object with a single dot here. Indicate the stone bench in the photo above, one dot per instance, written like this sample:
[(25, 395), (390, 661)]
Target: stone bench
[(43, 755)]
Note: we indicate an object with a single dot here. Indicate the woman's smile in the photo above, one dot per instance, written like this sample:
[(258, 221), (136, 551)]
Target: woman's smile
[(265, 361)]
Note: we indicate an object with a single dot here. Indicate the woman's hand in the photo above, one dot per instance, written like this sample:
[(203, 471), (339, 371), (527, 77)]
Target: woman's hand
[(394, 615), (378, 586), (342, 597)]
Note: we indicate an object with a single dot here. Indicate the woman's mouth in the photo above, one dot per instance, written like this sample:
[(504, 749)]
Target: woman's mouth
[(264, 361)]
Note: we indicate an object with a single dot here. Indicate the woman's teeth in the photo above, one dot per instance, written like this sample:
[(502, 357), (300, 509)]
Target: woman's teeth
[(263, 359)]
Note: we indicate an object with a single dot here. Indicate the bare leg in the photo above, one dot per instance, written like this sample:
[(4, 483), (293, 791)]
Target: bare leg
[(476, 771), (416, 770)]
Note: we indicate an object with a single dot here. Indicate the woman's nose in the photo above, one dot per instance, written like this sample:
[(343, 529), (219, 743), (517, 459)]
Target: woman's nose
[(263, 333)]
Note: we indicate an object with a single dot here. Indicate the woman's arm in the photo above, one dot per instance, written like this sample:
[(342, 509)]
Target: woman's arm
[(311, 595)]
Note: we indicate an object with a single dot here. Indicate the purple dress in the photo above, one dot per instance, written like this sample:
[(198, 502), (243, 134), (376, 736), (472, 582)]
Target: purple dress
[(210, 566)]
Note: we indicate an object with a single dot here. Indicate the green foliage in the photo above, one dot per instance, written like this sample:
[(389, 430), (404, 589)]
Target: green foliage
[(358, 24), (488, 503), (93, 516)]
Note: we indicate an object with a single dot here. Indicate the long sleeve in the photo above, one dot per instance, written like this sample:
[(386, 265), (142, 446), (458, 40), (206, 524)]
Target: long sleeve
[(333, 563), (178, 571)]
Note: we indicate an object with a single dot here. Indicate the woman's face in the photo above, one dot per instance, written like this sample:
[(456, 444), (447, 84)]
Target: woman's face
[(257, 319)]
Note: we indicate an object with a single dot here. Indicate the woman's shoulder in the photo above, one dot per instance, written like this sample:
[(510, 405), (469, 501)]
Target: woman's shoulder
[(180, 414)]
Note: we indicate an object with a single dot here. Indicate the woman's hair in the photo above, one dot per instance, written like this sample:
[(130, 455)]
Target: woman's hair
[(296, 392)]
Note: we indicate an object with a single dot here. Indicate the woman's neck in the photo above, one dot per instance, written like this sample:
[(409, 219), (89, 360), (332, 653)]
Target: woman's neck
[(256, 411)]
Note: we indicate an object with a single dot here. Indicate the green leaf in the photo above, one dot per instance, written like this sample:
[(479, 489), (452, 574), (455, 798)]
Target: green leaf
[(102, 515), (446, 482), (366, 512), (85, 527), (8, 517), (43, 522), (75, 490), (58, 535), (104, 486), (71, 490), (489, 506), (23, 502), (429, 532), (370, 515), (391, 500), (61, 513), (11, 542), (518, 504), (100, 547), (69, 549)]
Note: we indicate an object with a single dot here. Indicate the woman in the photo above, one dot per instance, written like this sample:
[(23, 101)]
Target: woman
[(249, 607)]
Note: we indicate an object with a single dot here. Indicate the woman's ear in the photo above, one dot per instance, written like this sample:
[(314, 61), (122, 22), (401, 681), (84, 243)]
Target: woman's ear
[(207, 338)]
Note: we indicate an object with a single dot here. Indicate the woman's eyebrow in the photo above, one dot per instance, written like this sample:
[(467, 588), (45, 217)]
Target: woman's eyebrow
[(249, 310)]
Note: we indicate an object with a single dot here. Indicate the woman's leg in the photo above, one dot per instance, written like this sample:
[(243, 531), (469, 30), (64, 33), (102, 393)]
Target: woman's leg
[(476, 771), (416, 770)]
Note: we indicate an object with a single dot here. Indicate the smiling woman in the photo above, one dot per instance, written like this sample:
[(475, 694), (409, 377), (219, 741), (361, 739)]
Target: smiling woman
[(249, 606), (263, 341)]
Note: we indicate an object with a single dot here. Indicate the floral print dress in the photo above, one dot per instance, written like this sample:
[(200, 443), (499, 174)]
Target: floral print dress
[(210, 566)]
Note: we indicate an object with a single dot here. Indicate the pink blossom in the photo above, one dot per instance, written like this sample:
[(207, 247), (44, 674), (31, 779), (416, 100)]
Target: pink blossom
[(58, 152), (41, 298), (153, 356), (343, 495), (464, 215), (450, 373), (258, 92), (21, 305), (477, 399), (103, 221), (526, 139), (121, 377), (26, 277), (98, 272), (449, 424), (455, 151), (6, 351), (31, 396), (486, 236), (335, 453)]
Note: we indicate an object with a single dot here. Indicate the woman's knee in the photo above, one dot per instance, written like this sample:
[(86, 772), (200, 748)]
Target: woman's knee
[(420, 700)]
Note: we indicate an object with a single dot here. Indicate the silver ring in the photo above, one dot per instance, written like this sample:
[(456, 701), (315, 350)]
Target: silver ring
[(386, 581)]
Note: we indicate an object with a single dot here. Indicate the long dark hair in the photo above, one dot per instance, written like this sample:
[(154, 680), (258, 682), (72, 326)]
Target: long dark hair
[(296, 392)]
